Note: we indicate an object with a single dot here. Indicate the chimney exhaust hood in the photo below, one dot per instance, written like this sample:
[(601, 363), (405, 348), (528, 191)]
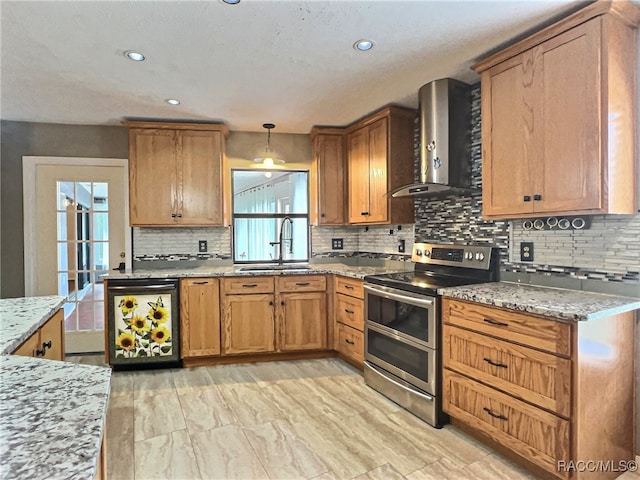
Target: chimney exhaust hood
[(445, 140)]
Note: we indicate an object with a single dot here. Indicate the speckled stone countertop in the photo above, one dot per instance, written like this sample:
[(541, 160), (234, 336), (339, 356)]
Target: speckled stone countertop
[(234, 270), (21, 317), (553, 302), (52, 413)]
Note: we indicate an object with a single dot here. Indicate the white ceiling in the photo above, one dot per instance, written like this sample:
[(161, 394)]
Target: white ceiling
[(286, 62)]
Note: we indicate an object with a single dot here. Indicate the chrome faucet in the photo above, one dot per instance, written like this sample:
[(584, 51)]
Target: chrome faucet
[(280, 241)]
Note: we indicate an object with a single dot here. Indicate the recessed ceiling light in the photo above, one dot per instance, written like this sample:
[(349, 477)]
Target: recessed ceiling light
[(231, 2), (172, 101), (363, 45), (135, 56)]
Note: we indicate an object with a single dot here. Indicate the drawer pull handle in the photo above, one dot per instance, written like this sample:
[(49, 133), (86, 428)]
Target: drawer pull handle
[(491, 362), (364, 214), (201, 283), (249, 285), (494, 322), (348, 287), (349, 311), (302, 284), (495, 415), (350, 342), (40, 353)]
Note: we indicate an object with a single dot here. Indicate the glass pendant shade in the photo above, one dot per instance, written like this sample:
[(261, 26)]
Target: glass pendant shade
[(268, 158)]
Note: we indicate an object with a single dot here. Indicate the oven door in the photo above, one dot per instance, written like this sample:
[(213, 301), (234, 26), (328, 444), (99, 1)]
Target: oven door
[(408, 360), (407, 315)]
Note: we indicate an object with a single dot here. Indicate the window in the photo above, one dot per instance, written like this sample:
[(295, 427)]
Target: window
[(262, 201)]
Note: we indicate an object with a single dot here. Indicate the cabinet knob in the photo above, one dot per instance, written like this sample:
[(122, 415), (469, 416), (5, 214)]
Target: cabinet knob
[(364, 213), (537, 197), (173, 215), (179, 215), (45, 345), (282, 303), (271, 303), (527, 198), (323, 215)]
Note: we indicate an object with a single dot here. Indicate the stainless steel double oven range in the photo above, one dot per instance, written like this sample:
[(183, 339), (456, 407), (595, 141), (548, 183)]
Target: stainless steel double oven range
[(403, 324)]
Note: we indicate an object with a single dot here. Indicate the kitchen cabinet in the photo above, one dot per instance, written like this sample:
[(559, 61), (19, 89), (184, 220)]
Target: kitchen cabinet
[(559, 118), (327, 177), (349, 318), (47, 342), (531, 386), (380, 157), (274, 314), (200, 317), (248, 315), (176, 174), (301, 312)]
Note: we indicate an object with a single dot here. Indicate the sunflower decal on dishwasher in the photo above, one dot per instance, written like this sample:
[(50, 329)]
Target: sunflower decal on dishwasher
[(140, 335)]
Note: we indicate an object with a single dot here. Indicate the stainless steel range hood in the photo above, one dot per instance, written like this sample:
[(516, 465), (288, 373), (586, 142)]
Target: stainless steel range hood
[(445, 140)]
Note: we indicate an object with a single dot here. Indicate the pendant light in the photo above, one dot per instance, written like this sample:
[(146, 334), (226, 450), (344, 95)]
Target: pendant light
[(268, 157)]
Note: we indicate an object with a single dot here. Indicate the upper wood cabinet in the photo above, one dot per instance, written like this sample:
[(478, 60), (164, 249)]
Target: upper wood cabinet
[(559, 119), (328, 177), (176, 174), (380, 157)]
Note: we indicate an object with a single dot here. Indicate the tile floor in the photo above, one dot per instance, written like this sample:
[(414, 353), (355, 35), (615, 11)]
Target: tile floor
[(311, 419)]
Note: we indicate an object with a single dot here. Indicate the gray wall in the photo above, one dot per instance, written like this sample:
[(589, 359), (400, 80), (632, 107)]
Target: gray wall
[(20, 139)]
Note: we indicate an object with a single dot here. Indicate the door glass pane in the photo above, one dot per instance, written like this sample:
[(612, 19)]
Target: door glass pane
[(252, 237), (100, 197), (100, 226), (62, 226)]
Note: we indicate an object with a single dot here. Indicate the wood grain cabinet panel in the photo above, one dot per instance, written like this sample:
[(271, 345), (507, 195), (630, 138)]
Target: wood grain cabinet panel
[(558, 119), (29, 346), (327, 177), (176, 174), (301, 283), (350, 343), (247, 285), (529, 330), (47, 342), (352, 287), (248, 323), (541, 437), (528, 374), (380, 158), (350, 311), (200, 317), (302, 318)]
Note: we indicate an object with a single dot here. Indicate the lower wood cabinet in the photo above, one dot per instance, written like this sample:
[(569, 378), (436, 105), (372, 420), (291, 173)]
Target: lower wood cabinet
[(545, 392), (47, 342), (288, 314), (248, 323), (350, 343), (349, 318), (200, 317)]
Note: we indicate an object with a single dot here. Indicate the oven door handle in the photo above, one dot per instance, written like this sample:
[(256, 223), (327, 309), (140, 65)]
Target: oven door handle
[(401, 298), (398, 384)]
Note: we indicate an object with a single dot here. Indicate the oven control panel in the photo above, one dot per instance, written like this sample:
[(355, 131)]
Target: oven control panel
[(468, 256)]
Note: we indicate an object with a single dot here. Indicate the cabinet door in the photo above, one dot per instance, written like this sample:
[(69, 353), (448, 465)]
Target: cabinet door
[(152, 177), (571, 97), (52, 337), (200, 317), (29, 347), (302, 320), (358, 168), (510, 113), (378, 155), (199, 156), (248, 324), (330, 177)]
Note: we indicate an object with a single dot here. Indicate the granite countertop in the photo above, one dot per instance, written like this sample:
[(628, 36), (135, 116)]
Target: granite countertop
[(21, 317), (51, 418), (559, 303), (234, 270), (52, 413)]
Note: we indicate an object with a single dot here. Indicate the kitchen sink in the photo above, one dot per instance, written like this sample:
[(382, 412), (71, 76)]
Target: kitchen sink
[(269, 268)]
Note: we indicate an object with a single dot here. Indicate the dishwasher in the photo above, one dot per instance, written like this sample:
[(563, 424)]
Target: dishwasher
[(143, 323)]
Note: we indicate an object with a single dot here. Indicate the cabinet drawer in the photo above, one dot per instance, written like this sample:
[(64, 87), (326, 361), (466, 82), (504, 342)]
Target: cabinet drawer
[(544, 334), (350, 311), (350, 343), (540, 437), (350, 286), (537, 377), (247, 285), (301, 283)]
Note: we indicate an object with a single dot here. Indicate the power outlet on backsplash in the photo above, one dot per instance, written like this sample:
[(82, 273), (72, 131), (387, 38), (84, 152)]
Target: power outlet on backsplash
[(401, 246), (202, 246), (526, 251), (337, 244)]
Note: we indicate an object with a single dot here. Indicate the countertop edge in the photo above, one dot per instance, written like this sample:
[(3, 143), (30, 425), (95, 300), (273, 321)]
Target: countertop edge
[(25, 334)]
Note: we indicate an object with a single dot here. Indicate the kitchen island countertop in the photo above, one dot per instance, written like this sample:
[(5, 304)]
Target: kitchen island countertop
[(52, 413), (563, 304)]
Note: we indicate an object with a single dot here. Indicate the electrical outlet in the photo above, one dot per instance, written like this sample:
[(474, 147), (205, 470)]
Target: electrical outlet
[(401, 246), (526, 251), (337, 244), (202, 246)]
